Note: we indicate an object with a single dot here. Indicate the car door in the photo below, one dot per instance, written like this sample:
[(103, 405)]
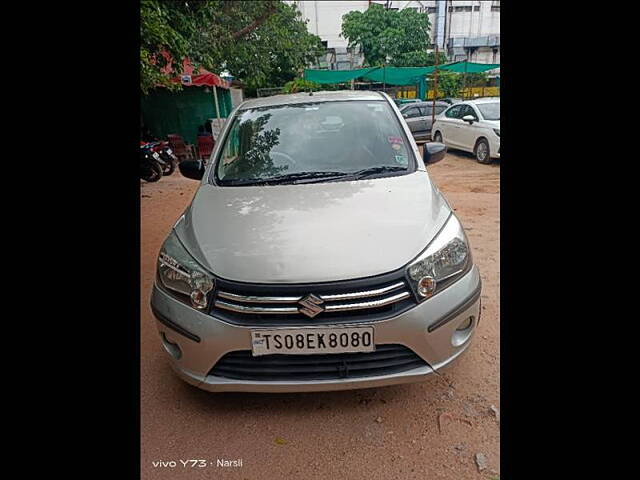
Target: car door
[(452, 123), (426, 118), (468, 133), (412, 116)]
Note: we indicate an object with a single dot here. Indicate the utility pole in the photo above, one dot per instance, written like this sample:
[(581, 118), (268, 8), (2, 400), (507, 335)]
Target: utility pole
[(384, 76), (435, 89), (464, 84)]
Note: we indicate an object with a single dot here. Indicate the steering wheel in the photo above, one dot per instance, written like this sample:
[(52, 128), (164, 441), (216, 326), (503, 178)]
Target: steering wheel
[(287, 158)]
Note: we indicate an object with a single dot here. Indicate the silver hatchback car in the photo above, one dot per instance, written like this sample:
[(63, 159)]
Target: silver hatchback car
[(316, 254)]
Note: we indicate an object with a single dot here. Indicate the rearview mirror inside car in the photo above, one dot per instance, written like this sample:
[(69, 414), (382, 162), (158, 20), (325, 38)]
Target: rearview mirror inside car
[(434, 152), (192, 169)]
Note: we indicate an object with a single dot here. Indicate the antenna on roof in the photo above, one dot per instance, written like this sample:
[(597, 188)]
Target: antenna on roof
[(310, 92)]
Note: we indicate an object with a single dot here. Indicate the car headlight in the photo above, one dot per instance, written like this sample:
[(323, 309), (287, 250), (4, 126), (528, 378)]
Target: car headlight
[(179, 272), (446, 257), (497, 131)]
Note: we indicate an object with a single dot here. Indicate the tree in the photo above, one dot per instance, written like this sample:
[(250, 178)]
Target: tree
[(449, 84), (260, 42), (395, 37)]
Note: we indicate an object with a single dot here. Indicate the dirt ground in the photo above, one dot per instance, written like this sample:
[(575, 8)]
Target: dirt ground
[(424, 431)]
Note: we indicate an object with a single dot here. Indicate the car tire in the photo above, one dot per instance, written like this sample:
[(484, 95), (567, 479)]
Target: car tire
[(482, 152), (438, 137)]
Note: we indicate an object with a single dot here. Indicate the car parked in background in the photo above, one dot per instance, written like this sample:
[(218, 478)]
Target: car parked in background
[(404, 101), (419, 117), (472, 126)]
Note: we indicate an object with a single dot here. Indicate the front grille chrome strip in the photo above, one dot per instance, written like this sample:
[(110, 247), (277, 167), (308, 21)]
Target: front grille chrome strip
[(371, 304), (326, 298), (252, 299), (246, 309), (365, 294), (328, 308)]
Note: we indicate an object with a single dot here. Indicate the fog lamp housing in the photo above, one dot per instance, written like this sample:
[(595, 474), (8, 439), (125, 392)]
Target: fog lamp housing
[(426, 286), (465, 324)]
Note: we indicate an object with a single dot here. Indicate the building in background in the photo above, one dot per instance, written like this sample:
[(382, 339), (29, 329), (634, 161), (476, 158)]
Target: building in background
[(324, 18), (464, 29)]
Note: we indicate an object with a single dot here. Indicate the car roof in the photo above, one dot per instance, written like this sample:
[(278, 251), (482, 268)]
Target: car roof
[(429, 102), (305, 97), (476, 101)]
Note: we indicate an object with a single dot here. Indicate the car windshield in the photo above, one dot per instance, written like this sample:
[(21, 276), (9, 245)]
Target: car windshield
[(490, 111), (323, 141)]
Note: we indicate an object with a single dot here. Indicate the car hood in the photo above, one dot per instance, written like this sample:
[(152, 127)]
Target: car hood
[(312, 232)]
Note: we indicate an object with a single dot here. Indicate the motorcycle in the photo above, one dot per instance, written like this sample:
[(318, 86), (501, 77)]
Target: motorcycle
[(168, 159), (151, 165)]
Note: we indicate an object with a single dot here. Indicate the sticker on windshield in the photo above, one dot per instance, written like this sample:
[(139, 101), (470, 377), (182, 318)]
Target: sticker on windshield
[(396, 146), (402, 160), (395, 140)]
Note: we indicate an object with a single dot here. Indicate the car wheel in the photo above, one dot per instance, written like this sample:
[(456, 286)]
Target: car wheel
[(482, 153), (437, 137)]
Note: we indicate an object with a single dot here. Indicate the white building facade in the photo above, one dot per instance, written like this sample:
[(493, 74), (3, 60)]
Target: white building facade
[(464, 29)]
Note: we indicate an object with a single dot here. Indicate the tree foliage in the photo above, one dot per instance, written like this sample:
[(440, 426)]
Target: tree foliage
[(396, 37), (301, 85), (262, 43), (449, 84)]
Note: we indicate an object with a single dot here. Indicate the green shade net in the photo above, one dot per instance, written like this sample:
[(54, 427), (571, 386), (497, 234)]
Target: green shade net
[(469, 67), (336, 76), (398, 75), (393, 75)]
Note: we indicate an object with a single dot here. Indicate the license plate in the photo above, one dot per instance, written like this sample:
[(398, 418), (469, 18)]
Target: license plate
[(305, 341)]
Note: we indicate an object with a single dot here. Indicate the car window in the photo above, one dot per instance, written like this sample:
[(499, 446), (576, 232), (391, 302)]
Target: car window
[(267, 142), (454, 112), (440, 109), (411, 112), (468, 110), (426, 110), (490, 111)]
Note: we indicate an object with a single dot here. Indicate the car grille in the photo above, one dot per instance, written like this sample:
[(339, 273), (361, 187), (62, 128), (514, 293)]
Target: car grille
[(386, 360), (372, 299)]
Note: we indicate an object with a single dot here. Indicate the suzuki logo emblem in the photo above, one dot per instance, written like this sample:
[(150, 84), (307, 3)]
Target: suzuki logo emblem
[(311, 305)]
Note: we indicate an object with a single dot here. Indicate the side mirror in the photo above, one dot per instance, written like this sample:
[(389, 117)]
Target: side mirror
[(434, 152), (192, 169), (469, 118)]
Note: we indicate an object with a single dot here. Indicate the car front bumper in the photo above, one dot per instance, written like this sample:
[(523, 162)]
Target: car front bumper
[(495, 147), (203, 339)]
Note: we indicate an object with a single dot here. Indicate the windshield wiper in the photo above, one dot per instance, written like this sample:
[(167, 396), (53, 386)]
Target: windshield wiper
[(380, 169), (293, 177), (314, 177), (306, 175), (356, 175)]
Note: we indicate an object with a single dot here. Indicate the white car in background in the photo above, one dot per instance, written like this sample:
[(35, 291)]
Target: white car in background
[(472, 126)]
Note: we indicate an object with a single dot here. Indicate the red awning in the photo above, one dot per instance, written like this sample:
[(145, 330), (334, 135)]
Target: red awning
[(203, 78)]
